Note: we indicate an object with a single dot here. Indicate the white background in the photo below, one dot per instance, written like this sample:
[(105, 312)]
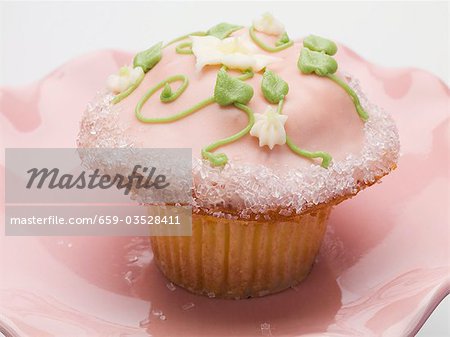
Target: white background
[(36, 37)]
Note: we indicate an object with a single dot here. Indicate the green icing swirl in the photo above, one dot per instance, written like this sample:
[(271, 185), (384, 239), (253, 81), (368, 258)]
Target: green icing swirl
[(173, 117), (280, 45), (221, 159), (167, 95)]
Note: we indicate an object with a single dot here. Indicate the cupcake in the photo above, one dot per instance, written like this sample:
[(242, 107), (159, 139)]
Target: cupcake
[(279, 135)]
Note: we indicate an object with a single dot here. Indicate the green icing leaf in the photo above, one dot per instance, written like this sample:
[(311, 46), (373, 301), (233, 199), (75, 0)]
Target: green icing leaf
[(147, 59), (317, 43), (274, 88), (222, 30), (229, 90), (314, 62), (284, 38)]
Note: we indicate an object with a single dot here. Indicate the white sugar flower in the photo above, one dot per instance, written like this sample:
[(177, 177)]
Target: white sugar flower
[(268, 24), (126, 77), (233, 52), (269, 128)]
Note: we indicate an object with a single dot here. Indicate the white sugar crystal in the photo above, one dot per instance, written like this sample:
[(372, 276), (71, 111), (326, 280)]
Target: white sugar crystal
[(265, 329), (295, 288), (129, 277), (171, 286), (157, 312), (188, 306)]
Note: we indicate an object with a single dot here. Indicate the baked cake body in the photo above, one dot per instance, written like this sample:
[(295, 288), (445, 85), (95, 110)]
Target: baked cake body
[(278, 134)]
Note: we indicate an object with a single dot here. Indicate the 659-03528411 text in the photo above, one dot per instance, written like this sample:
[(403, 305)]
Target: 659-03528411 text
[(97, 219)]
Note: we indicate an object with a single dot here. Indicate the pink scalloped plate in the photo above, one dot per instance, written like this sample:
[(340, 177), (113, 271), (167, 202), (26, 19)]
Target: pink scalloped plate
[(382, 269)]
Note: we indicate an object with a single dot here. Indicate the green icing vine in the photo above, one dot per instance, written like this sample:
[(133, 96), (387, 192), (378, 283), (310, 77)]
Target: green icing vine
[(127, 92), (230, 91), (220, 159), (240, 94), (326, 158), (315, 57), (180, 38), (284, 38), (175, 95), (359, 109), (273, 88), (184, 48), (247, 74), (283, 43)]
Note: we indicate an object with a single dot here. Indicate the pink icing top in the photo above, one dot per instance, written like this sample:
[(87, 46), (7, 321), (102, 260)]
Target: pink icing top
[(321, 117)]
